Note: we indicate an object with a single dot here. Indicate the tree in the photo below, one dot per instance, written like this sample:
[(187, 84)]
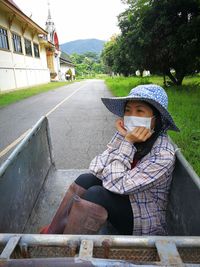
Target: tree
[(108, 54), (88, 63), (115, 57), (163, 35)]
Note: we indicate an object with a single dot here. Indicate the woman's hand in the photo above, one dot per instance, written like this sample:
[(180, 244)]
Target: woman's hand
[(119, 124), (138, 135)]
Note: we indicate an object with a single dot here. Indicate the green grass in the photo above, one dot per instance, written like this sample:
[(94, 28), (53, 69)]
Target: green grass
[(184, 105), (14, 96), (92, 76)]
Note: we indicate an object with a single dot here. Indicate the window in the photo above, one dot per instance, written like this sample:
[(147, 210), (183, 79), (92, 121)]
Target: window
[(36, 50), (17, 44), (4, 39), (28, 47)]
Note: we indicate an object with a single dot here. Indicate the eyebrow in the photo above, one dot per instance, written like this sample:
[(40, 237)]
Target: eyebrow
[(140, 105), (137, 106)]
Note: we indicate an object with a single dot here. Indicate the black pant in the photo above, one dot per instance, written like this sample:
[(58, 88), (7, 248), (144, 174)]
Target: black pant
[(118, 206)]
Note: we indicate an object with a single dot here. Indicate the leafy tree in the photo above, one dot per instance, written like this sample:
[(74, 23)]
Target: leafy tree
[(76, 58), (115, 57), (87, 63), (163, 35), (92, 55), (108, 54), (98, 68)]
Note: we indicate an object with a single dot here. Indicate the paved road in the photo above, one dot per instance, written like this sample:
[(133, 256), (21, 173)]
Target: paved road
[(80, 125)]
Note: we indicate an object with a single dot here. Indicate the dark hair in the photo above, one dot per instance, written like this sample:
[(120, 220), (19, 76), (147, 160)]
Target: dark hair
[(156, 114)]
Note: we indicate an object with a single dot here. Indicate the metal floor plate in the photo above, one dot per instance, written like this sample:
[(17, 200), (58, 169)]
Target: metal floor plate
[(50, 197)]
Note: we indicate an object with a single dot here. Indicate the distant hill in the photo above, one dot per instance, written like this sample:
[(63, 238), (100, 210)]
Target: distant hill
[(82, 46)]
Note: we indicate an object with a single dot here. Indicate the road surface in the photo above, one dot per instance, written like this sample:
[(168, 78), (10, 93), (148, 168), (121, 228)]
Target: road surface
[(80, 125)]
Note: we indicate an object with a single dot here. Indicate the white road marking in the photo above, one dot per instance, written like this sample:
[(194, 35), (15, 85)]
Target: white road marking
[(16, 141), (64, 100)]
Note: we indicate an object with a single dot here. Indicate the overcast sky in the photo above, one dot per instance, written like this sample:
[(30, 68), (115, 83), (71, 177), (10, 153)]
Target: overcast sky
[(76, 19)]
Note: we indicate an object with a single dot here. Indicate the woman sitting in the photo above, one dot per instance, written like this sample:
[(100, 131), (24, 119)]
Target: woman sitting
[(129, 182)]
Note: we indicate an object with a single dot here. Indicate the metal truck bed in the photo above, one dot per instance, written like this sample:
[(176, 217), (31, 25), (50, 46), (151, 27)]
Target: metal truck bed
[(31, 189), (50, 197)]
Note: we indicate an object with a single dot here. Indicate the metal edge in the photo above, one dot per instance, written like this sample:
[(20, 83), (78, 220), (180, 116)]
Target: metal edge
[(112, 240), (21, 145), (189, 169), (50, 143), (186, 164)]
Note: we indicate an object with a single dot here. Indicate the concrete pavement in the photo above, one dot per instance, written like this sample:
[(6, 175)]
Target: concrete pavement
[(80, 125)]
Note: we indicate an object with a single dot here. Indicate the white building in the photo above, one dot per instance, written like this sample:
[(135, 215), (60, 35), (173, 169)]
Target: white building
[(23, 49), (67, 70), (59, 62)]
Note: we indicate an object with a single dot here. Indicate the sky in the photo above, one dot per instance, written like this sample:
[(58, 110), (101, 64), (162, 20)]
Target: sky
[(76, 19)]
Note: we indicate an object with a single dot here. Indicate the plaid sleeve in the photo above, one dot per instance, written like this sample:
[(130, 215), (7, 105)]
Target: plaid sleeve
[(118, 177), (115, 141), (98, 164)]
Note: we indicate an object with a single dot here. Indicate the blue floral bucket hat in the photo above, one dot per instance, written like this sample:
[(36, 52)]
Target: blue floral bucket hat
[(150, 93)]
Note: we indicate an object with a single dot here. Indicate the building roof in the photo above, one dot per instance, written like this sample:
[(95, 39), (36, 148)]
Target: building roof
[(65, 58), (13, 3), (15, 13)]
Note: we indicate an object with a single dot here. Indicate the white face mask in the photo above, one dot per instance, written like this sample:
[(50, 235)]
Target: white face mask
[(131, 122)]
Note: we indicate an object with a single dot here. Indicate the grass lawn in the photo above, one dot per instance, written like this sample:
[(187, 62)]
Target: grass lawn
[(184, 105), (14, 96)]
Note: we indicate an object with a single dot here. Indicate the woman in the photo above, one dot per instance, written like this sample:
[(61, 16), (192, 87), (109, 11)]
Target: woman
[(129, 182)]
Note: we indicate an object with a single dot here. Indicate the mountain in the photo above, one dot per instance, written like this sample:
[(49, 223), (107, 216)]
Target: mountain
[(82, 46)]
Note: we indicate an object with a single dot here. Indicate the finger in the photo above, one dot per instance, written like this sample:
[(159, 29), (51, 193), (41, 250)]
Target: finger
[(148, 135), (142, 134), (123, 132), (139, 130)]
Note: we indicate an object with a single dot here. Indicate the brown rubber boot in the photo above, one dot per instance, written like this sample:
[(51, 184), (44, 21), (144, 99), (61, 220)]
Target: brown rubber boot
[(85, 217), (57, 225)]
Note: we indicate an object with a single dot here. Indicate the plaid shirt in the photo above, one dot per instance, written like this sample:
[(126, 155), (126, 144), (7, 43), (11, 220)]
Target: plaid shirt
[(147, 184)]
